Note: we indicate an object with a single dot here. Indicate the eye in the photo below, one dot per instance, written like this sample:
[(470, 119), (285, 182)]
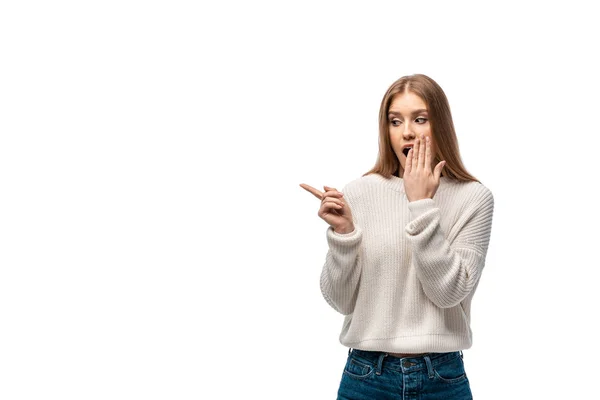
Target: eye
[(423, 119), (395, 120)]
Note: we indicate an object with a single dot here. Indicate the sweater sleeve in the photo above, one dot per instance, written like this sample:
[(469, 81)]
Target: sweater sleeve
[(341, 272), (450, 269)]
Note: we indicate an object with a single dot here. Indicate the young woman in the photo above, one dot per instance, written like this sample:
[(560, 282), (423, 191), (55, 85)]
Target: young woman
[(407, 246)]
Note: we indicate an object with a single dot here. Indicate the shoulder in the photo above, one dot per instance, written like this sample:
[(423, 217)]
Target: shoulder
[(361, 187), (480, 193), (361, 183), (472, 191), (467, 198), (478, 198)]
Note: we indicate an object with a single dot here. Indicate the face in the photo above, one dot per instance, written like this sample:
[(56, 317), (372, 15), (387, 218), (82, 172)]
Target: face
[(407, 120)]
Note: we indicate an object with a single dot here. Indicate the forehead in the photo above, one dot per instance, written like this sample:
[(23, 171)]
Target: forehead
[(407, 101)]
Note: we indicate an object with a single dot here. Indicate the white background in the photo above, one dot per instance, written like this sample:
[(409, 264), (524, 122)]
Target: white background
[(155, 243)]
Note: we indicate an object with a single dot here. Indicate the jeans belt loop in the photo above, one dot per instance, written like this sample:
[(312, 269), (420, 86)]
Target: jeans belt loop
[(380, 363), (429, 366)]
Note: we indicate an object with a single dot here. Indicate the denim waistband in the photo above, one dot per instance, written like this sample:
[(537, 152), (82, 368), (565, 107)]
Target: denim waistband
[(404, 364)]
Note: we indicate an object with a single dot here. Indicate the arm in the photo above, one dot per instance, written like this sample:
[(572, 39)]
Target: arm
[(449, 269), (341, 272)]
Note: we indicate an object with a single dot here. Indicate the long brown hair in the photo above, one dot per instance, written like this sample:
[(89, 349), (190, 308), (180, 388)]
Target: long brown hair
[(442, 129)]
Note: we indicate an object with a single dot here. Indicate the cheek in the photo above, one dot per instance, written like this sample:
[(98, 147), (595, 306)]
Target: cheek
[(395, 138), (425, 129), (394, 131)]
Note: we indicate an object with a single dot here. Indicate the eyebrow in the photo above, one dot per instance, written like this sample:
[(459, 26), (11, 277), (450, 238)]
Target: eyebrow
[(419, 111)]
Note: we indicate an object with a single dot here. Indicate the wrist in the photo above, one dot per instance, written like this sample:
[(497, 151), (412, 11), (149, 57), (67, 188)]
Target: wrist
[(344, 230)]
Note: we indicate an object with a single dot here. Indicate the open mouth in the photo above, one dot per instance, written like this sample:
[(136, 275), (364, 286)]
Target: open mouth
[(406, 150)]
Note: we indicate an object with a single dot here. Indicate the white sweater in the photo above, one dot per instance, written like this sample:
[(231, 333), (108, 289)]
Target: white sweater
[(405, 277)]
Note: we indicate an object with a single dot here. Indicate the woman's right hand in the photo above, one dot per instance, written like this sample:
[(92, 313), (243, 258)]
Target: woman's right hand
[(334, 210)]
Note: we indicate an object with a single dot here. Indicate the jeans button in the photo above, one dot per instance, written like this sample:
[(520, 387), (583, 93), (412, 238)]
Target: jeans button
[(407, 363)]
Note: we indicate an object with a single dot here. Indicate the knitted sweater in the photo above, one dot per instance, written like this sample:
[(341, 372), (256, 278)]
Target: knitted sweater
[(405, 277)]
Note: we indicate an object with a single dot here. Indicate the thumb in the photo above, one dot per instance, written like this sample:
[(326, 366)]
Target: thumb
[(438, 169)]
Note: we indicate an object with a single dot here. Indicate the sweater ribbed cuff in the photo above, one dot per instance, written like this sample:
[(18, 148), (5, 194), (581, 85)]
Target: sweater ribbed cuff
[(418, 209), (344, 240)]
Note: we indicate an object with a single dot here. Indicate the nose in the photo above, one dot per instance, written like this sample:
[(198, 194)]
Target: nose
[(408, 134)]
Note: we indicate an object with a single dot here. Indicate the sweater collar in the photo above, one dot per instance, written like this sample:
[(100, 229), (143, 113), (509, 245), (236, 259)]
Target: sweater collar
[(397, 184)]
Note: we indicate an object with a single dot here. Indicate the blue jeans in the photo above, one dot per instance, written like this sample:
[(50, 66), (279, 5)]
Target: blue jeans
[(375, 375)]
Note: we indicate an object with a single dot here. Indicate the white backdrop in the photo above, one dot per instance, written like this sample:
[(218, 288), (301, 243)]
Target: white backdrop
[(155, 243)]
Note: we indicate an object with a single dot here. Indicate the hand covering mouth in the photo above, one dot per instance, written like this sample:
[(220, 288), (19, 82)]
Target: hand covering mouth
[(406, 149)]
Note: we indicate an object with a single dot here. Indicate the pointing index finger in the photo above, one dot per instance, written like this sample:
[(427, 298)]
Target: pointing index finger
[(317, 193)]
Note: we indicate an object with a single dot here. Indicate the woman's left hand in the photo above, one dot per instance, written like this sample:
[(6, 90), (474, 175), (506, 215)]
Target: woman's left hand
[(420, 182)]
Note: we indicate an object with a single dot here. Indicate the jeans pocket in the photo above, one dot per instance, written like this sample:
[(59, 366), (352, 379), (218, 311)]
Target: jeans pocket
[(358, 369), (450, 371)]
